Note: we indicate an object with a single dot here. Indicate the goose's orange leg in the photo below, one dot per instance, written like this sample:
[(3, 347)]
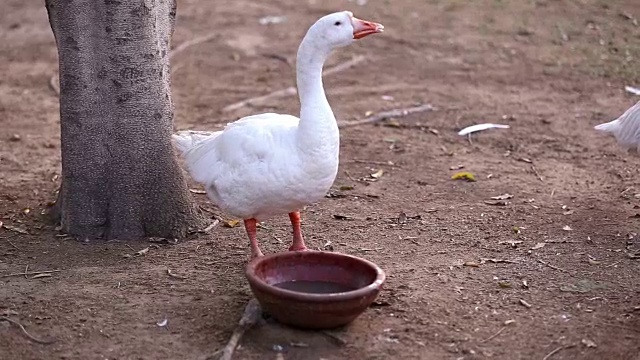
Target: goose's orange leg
[(298, 240), (250, 226)]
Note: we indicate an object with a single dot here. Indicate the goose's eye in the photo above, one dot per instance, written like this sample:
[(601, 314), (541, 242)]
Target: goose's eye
[(337, 23)]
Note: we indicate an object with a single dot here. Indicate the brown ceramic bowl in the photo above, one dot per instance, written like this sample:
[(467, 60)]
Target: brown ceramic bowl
[(329, 289)]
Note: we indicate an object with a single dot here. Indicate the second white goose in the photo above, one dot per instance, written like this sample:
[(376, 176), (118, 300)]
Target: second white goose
[(626, 128)]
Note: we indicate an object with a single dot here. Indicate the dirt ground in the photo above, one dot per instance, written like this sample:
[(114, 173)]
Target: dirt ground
[(552, 273)]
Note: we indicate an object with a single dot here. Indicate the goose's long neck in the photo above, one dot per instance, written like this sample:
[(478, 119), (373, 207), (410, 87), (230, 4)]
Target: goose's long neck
[(318, 128)]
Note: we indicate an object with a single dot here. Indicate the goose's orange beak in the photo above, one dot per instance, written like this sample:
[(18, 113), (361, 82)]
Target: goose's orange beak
[(362, 28)]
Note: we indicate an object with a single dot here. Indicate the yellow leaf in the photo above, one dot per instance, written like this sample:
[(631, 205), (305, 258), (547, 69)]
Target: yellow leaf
[(231, 223), (463, 175)]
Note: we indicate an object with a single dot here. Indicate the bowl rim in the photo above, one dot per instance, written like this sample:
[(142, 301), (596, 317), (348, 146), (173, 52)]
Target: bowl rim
[(262, 285)]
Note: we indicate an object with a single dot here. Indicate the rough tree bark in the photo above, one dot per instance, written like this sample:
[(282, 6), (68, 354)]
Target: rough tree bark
[(120, 178)]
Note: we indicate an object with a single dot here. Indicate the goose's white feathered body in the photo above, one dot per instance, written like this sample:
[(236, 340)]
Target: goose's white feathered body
[(626, 128), (257, 167), (271, 164)]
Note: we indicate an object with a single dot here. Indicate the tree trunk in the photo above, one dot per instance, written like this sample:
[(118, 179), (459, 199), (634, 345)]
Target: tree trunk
[(120, 178)]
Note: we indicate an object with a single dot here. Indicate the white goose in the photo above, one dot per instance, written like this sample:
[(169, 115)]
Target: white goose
[(271, 164), (626, 128)]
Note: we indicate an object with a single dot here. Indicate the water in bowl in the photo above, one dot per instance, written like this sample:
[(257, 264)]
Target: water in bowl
[(314, 287)]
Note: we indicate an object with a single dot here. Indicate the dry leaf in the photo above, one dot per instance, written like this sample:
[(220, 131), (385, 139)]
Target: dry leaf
[(502, 197), (495, 261), (471, 264), (539, 245), (16, 229), (142, 252), (463, 175), (197, 191), (210, 227), (346, 187), (524, 303), (170, 273), (527, 160), (593, 261), (456, 167), (231, 223), (496, 202), (377, 174), (589, 343), (567, 228), (505, 284), (402, 218)]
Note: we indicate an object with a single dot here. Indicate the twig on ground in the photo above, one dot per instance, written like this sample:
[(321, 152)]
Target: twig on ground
[(386, 115), (494, 335), (32, 273), (260, 100), (551, 266), (556, 350), (12, 244), (374, 162), (187, 44), (39, 341), (344, 66), (535, 171), (291, 90), (249, 318), (26, 269), (349, 176)]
